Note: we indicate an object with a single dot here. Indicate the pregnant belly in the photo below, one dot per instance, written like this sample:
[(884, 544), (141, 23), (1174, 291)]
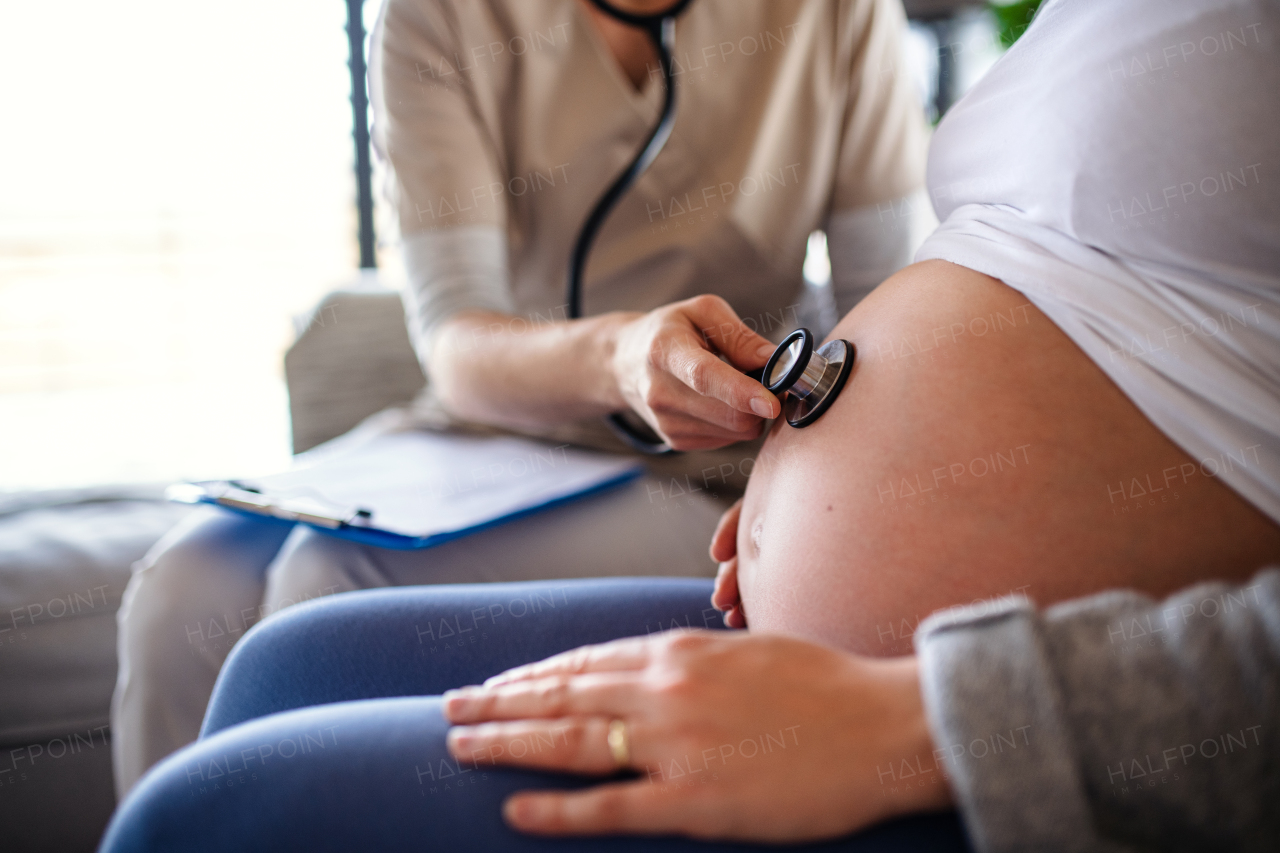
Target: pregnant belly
[(974, 453)]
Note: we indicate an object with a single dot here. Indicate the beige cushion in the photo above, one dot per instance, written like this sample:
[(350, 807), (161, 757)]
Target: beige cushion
[(351, 359)]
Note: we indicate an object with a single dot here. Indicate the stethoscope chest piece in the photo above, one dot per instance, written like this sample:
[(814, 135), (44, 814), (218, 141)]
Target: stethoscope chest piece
[(811, 380)]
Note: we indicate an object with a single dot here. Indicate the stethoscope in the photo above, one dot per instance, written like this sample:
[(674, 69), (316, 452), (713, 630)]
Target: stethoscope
[(809, 379)]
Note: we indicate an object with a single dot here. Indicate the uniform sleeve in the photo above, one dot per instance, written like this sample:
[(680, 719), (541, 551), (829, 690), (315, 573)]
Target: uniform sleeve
[(868, 244), (885, 137), (444, 177), (878, 215), (1113, 722)]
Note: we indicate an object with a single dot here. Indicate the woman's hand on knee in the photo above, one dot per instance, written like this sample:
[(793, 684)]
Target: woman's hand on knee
[(760, 738)]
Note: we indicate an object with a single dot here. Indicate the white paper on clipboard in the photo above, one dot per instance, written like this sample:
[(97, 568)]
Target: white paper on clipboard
[(430, 486)]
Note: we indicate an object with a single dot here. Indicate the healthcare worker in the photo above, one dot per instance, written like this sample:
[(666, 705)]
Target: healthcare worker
[(502, 122)]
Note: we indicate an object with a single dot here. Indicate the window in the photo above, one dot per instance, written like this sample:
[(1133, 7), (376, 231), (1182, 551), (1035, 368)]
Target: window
[(177, 186)]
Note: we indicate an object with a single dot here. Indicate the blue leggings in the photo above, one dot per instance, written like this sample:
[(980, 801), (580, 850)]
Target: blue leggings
[(325, 730)]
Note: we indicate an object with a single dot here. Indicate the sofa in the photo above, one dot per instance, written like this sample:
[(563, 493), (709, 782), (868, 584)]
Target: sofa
[(65, 558)]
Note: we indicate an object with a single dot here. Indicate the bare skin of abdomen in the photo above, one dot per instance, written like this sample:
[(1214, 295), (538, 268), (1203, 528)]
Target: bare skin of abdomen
[(975, 452)]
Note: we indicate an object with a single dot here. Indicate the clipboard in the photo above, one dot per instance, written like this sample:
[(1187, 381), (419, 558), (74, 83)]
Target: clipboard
[(413, 490)]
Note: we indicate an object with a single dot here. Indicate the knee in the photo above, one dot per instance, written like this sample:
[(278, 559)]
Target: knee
[(161, 579), (312, 565), (311, 779), (135, 824), (297, 646), (287, 639), (200, 584), (182, 803)]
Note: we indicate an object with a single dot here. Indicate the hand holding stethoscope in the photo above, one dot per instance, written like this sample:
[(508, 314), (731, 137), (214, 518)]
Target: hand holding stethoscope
[(668, 369), (666, 361)]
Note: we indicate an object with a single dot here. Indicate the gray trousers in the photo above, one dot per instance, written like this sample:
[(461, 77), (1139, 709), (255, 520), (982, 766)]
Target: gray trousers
[(215, 576)]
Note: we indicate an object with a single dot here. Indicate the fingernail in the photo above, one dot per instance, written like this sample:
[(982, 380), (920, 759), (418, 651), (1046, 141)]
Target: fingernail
[(765, 351), (761, 407), (523, 811), (457, 701), (459, 739)]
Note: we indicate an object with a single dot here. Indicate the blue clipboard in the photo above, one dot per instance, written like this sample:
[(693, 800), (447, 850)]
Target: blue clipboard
[(407, 491)]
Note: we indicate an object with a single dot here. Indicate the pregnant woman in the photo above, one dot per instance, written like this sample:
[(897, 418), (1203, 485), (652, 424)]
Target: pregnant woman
[(1077, 387)]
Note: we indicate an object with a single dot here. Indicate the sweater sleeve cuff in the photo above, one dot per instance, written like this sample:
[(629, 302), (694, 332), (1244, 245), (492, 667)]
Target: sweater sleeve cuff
[(996, 715)]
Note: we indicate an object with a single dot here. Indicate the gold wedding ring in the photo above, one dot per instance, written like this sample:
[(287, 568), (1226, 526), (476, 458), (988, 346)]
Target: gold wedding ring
[(619, 743)]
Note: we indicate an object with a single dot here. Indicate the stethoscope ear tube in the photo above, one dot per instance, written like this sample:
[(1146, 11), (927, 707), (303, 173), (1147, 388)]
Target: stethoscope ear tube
[(661, 29)]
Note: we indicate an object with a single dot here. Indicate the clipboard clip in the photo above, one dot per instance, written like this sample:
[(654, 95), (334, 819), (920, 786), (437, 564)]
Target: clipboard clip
[(239, 496)]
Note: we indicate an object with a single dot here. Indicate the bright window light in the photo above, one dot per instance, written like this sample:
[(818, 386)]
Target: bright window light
[(175, 185)]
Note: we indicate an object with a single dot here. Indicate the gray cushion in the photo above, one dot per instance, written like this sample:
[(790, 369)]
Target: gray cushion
[(63, 570)]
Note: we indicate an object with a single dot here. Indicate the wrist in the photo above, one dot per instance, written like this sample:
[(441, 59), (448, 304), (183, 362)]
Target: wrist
[(912, 742), (601, 361)]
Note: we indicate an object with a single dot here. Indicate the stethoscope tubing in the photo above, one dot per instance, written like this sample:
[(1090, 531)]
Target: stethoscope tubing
[(661, 29)]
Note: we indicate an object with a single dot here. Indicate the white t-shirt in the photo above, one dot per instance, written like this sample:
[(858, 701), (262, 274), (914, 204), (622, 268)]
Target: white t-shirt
[(1120, 166)]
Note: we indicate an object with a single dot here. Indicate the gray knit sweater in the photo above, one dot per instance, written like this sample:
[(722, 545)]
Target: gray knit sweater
[(1113, 722)]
